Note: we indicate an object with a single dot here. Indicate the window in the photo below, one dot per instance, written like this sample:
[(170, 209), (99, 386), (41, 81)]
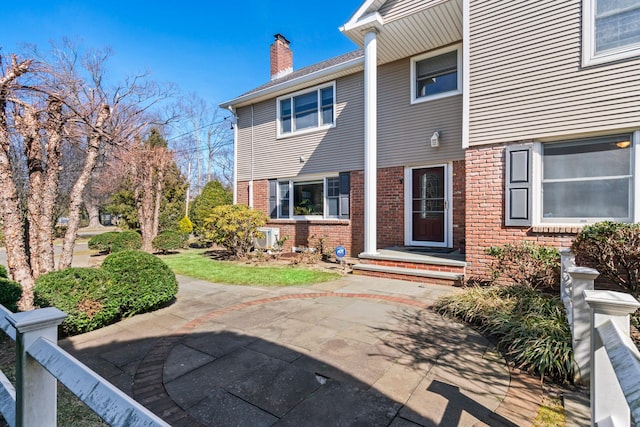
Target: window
[(307, 110), (587, 180), (324, 198), (572, 182), (611, 30), (436, 74)]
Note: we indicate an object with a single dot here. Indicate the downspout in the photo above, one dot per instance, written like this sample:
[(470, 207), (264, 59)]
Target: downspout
[(235, 157), (251, 180)]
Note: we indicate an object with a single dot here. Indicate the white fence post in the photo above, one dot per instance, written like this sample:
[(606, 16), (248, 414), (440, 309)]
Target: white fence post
[(582, 279), (36, 389), (567, 261), (609, 312)]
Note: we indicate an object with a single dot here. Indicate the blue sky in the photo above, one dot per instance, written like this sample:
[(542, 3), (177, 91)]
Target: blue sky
[(216, 49)]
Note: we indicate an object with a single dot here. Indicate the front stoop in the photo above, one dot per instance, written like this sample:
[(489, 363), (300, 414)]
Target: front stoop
[(398, 264)]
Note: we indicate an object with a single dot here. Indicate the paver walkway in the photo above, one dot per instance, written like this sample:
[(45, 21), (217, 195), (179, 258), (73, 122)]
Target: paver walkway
[(355, 351)]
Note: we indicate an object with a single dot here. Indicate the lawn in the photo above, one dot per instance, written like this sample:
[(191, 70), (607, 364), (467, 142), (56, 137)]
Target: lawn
[(196, 263)]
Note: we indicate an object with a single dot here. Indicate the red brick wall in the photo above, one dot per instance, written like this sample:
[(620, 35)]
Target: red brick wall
[(390, 220), (459, 215), (485, 211), (357, 212)]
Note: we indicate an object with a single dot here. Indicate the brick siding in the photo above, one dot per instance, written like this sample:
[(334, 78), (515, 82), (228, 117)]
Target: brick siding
[(485, 211)]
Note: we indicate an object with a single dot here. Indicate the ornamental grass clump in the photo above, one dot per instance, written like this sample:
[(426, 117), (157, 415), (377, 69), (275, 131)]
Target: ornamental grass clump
[(530, 327)]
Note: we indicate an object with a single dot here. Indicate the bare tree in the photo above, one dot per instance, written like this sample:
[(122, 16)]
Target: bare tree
[(43, 105)]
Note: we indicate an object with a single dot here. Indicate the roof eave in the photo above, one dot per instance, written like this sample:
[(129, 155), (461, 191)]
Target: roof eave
[(274, 90)]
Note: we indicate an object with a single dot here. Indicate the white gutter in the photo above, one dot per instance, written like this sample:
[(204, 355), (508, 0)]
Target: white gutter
[(466, 78), (284, 86)]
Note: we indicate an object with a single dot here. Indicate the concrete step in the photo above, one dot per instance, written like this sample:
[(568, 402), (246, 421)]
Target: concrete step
[(423, 275)]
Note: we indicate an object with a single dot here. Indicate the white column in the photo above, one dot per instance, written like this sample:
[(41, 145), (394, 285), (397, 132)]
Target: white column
[(370, 141)]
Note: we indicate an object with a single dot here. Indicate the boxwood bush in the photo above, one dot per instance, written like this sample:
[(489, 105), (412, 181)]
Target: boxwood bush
[(85, 294), (170, 240), (141, 281), (114, 241), (10, 293), (103, 242), (3, 272)]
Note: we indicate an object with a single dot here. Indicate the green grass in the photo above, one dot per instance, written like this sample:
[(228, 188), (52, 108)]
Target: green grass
[(195, 263)]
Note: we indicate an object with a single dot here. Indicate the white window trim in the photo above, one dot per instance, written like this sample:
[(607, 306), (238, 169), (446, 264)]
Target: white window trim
[(538, 221), (589, 56), (281, 135), (325, 207), (415, 59)]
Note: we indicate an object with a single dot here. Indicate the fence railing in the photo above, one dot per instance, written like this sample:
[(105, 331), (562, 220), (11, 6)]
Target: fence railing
[(40, 363), (604, 354)]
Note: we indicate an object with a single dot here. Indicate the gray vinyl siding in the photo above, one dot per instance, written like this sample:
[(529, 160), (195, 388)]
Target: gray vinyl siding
[(527, 80), (396, 9), (331, 150), (405, 129)]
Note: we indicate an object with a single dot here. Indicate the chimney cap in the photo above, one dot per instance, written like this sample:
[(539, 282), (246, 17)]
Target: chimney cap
[(282, 38)]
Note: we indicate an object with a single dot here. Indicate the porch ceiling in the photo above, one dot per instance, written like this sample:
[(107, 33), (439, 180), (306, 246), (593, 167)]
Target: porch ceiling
[(437, 24)]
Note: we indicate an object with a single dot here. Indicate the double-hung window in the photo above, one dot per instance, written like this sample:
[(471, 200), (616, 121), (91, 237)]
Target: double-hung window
[(611, 30), (436, 74), (579, 181), (587, 180), (313, 198), (306, 110)]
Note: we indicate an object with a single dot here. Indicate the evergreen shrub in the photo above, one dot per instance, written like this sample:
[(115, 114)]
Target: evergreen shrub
[(10, 293)]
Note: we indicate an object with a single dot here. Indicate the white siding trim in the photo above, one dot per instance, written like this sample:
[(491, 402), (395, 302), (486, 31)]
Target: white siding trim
[(635, 183), (465, 72)]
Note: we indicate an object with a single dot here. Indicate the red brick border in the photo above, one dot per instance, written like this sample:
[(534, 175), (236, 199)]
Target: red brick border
[(520, 404)]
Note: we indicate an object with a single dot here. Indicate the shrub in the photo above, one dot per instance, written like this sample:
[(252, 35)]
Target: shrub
[(614, 250), (526, 263), (212, 195), (169, 240), (141, 281), (114, 241), (234, 227), (3, 272), (85, 294), (530, 327), (185, 225), (103, 242), (127, 240), (10, 293)]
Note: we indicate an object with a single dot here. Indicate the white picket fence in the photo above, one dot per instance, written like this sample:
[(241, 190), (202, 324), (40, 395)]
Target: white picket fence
[(40, 363), (604, 354)]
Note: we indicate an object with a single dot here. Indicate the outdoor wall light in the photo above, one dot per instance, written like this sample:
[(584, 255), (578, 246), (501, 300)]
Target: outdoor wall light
[(435, 139), (302, 160)]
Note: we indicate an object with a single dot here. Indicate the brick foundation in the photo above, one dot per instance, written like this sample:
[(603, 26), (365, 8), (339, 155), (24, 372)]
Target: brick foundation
[(485, 211)]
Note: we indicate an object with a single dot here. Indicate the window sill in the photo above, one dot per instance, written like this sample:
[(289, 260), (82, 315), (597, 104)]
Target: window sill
[(557, 229), (319, 221), (304, 132), (435, 97)]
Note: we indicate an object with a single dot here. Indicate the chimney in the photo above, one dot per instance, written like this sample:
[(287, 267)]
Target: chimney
[(281, 57)]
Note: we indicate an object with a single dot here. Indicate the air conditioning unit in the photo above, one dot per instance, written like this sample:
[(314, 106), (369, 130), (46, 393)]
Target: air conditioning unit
[(271, 235)]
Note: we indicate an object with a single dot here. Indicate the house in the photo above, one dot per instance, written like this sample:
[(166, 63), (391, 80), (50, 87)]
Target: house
[(458, 124)]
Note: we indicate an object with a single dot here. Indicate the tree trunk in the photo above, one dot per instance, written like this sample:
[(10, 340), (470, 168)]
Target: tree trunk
[(158, 201), (93, 210), (145, 214), (93, 148)]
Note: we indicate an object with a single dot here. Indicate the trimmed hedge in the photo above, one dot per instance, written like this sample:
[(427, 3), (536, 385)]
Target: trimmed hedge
[(10, 293), (142, 281), (85, 294), (3, 272), (114, 241), (169, 240)]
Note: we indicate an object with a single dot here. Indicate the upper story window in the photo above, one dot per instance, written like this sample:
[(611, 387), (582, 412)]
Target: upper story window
[(436, 74), (306, 110), (611, 30)]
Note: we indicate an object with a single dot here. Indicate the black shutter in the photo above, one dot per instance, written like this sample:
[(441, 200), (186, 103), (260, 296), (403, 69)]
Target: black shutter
[(345, 190), (518, 185), (273, 198)]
